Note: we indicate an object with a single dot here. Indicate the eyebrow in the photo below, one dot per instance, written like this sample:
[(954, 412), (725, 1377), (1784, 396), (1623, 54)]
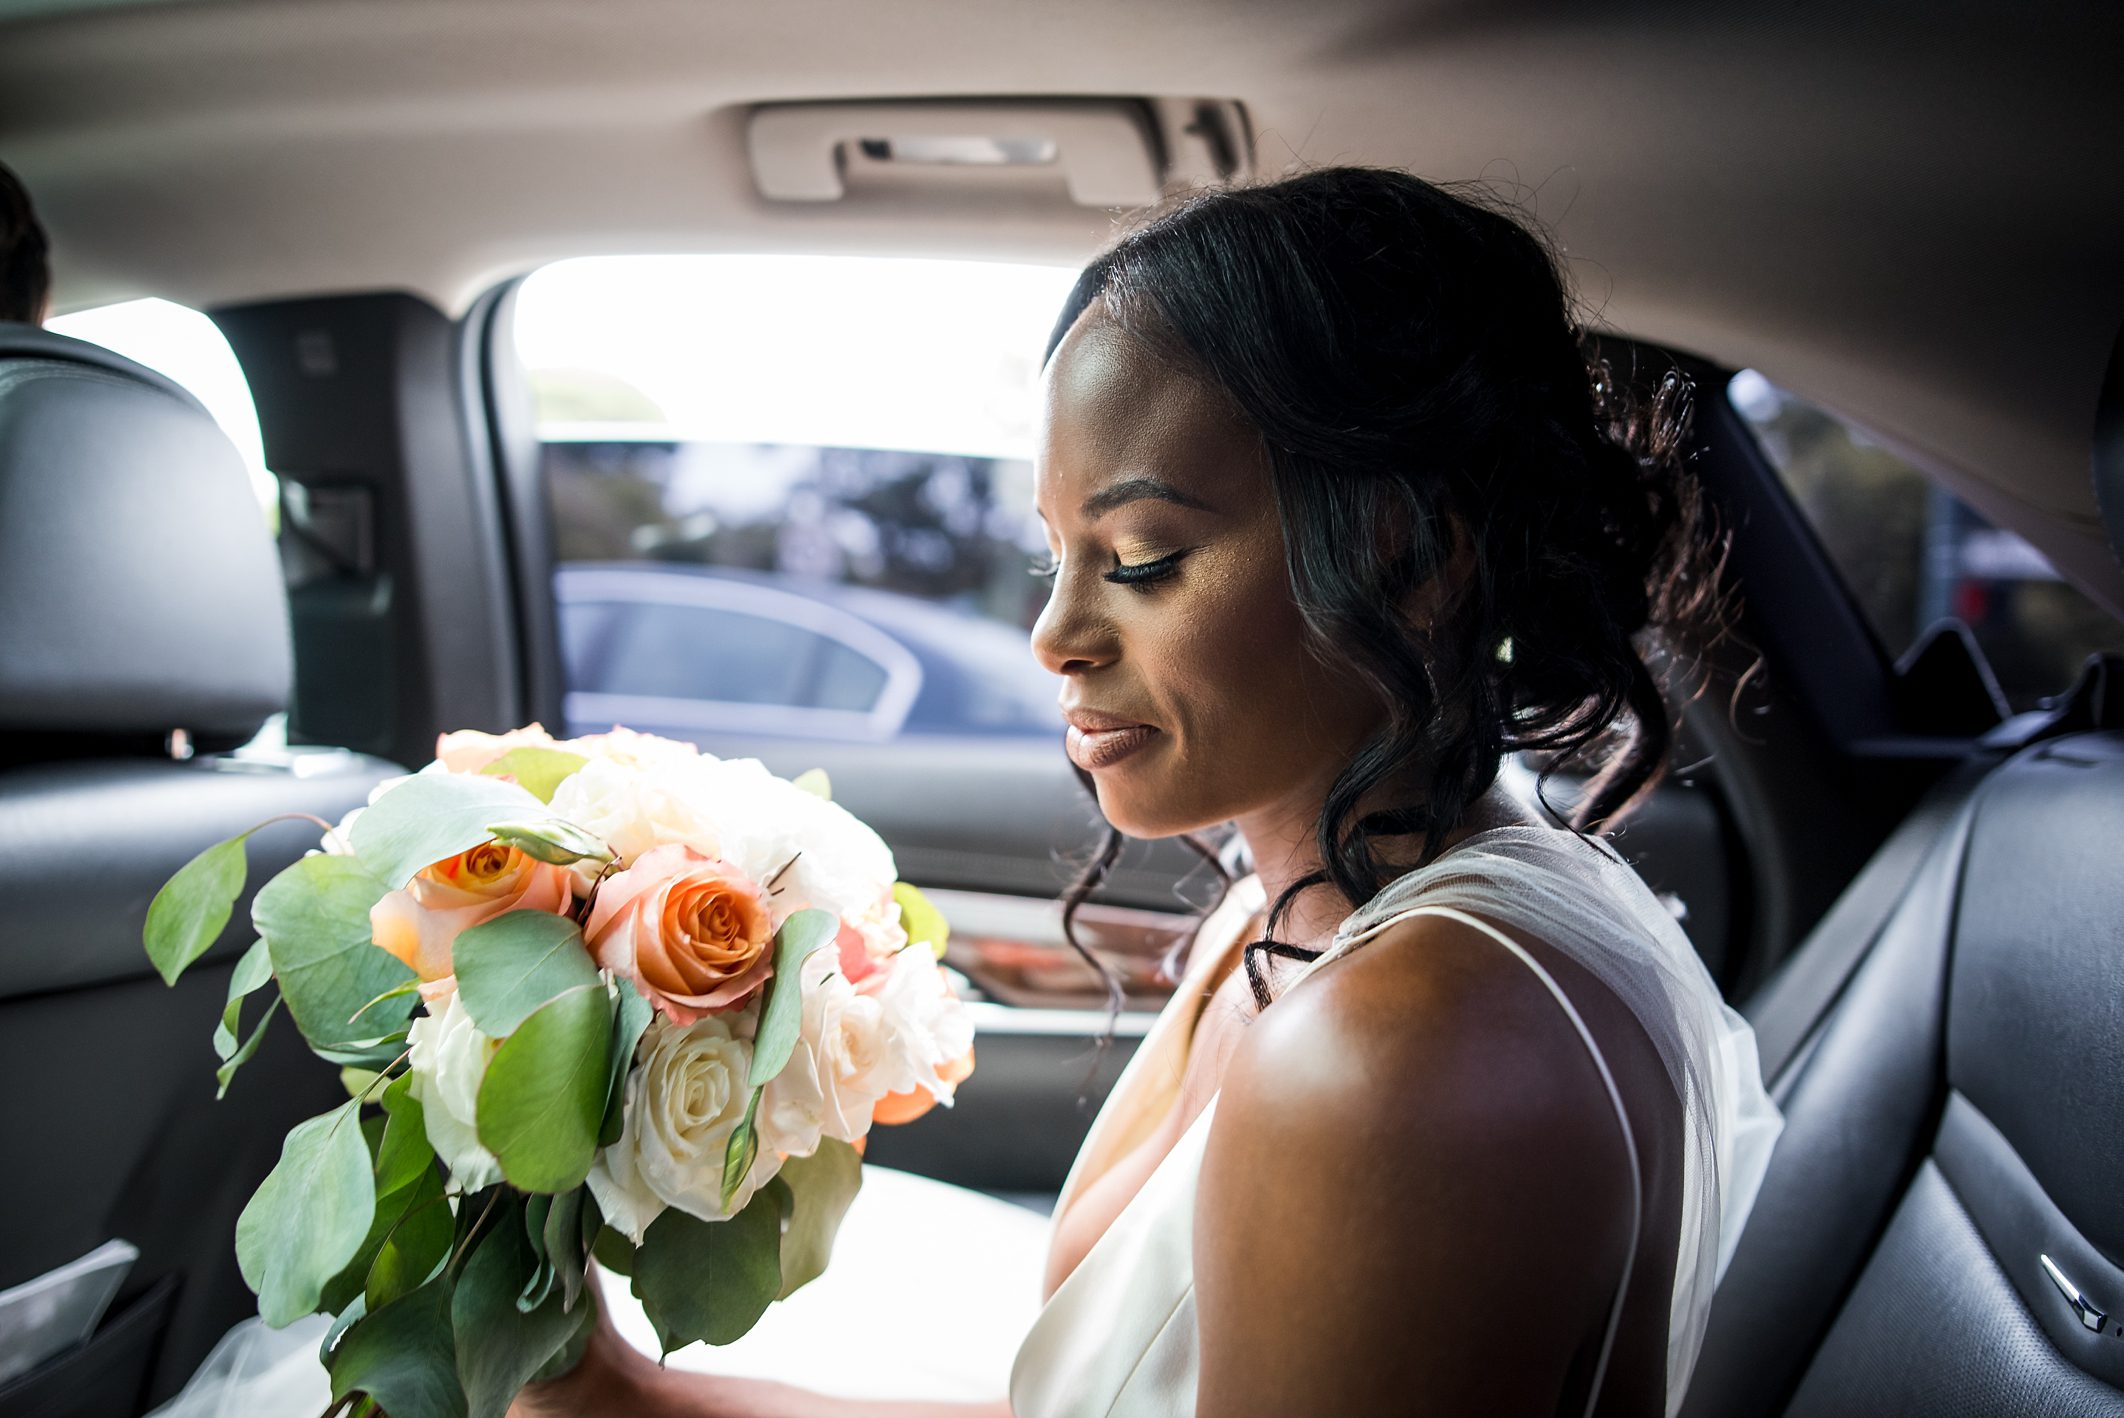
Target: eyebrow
[(1128, 490)]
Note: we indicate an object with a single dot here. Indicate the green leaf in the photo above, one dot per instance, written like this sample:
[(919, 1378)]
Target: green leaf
[(404, 1151), (242, 1056), (553, 841), (815, 782), (315, 920), (742, 1149), (393, 993), (309, 1216), (416, 1245), (821, 1187), (711, 1280), (500, 1347), (252, 970), (515, 963), (431, 817), (404, 1355), (538, 771), (782, 1010), (189, 912), (921, 920), (571, 1353), (544, 1094), (540, 1285), (613, 1251), (562, 1243), (628, 1022)]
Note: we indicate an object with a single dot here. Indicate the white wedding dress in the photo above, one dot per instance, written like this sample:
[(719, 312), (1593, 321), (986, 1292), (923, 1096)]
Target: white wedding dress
[(1117, 1339)]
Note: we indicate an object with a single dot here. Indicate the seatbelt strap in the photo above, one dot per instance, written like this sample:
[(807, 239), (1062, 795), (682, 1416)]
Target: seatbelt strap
[(1786, 1010)]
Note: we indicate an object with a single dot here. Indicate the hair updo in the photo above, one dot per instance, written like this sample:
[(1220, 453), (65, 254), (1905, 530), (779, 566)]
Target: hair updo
[(1410, 358)]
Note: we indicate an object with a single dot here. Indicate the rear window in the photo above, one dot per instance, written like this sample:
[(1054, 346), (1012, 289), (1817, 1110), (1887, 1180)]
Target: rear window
[(1912, 553), (834, 454)]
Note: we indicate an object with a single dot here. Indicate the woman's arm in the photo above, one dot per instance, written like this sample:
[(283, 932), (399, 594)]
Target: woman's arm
[(1414, 1198), (617, 1379)]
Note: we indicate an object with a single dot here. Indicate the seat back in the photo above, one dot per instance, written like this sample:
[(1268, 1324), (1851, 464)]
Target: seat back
[(142, 595)]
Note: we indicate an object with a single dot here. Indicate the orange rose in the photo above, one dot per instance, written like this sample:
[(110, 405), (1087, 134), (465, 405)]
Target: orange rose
[(896, 1108), (419, 923), (693, 933)]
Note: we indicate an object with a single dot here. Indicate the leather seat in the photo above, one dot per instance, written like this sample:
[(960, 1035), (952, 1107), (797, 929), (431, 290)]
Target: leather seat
[(1941, 1230), (140, 594)]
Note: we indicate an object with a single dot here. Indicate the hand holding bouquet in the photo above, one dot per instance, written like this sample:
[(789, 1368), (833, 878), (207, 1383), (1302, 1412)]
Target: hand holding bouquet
[(607, 997)]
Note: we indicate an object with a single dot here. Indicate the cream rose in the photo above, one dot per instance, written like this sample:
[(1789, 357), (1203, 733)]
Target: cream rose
[(635, 812), (419, 923), (470, 751), (683, 1101), (691, 932), (448, 1061)]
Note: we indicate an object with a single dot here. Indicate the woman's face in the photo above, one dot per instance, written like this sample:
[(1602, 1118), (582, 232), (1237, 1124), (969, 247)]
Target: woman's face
[(1191, 696)]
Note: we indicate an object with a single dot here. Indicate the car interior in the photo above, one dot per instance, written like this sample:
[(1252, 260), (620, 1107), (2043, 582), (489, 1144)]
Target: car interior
[(1894, 836)]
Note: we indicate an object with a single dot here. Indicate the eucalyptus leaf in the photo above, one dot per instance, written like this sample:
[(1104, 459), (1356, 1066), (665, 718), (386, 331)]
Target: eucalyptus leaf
[(252, 970), (782, 1010), (543, 1096), (628, 1022), (309, 1216), (314, 917), (417, 1244), (552, 841), (515, 963), (570, 1353), (404, 1355), (499, 1347), (227, 1072), (821, 1187), (562, 1242), (431, 817), (540, 1284), (189, 912), (711, 1280), (613, 1251), (922, 921), (404, 1151), (538, 771), (815, 782), (395, 992)]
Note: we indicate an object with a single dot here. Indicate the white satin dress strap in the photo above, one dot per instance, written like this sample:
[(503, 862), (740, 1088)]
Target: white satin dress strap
[(1118, 1338)]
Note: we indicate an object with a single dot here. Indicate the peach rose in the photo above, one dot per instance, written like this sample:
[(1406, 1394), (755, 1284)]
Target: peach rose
[(905, 1107), (419, 923), (692, 932), (470, 751)]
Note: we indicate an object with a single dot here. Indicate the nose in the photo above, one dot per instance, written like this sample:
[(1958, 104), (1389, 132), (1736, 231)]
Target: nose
[(1068, 638)]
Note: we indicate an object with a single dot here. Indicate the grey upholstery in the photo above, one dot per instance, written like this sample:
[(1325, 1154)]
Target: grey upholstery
[(132, 549), (168, 611), (1957, 1118)]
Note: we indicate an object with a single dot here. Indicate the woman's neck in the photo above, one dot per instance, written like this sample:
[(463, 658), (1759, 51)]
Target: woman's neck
[(1285, 849)]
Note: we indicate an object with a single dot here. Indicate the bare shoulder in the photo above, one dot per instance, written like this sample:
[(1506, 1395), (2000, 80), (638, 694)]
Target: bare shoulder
[(1415, 1141)]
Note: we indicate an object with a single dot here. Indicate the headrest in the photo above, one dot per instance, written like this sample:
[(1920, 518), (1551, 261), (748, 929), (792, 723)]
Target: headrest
[(2109, 449), (140, 590)]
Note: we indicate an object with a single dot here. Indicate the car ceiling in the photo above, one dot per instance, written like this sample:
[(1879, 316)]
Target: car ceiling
[(1909, 213)]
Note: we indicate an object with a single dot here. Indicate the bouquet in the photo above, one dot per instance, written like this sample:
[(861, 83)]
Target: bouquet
[(602, 998)]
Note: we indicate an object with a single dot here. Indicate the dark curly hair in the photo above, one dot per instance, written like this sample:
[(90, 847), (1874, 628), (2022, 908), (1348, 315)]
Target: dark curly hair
[(25, 265), (1410, 356)]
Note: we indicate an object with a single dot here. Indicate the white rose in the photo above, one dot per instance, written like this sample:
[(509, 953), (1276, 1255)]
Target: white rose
[(927, 1027), (834, 862), (448, 1060), (634, 810), (844, 1050), (632, 750), (684, 1099)]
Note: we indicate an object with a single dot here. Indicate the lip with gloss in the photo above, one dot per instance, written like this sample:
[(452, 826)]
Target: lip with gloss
[(1097, 741)]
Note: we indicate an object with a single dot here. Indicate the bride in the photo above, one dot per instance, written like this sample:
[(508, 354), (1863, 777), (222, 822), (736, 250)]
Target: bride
[(1338, 518)]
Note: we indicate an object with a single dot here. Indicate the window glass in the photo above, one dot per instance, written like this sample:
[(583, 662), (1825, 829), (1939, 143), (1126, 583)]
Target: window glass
[(691, 652), (1912, 553), (186, 346), (853, 432)]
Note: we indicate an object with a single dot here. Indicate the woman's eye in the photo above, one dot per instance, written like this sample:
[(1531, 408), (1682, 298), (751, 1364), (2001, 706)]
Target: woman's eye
[(1144, 574), (1044, 566)]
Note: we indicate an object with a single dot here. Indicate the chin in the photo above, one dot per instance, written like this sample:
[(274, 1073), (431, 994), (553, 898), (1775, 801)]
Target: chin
[(1140, 811)]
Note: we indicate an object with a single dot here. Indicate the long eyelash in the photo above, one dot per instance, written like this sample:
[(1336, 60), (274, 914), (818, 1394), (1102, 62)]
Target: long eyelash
[(1144, 574)]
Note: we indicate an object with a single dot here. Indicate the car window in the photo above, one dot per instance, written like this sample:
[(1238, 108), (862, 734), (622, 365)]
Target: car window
[(1912, 553), (187, 347), (854, 433), (693, 652)]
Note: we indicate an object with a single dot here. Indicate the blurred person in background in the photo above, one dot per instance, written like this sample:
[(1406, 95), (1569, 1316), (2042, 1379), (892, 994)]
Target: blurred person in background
[(25, 256)]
